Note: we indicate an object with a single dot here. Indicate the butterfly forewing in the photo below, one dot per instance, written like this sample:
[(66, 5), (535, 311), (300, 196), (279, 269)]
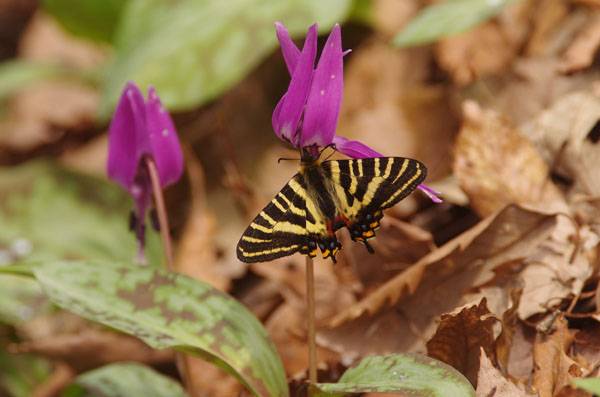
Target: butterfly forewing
[(278, 230), (372, 184)]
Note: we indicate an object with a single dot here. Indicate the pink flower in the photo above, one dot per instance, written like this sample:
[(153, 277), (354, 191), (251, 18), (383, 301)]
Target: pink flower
[(141, 130), (307, 114)]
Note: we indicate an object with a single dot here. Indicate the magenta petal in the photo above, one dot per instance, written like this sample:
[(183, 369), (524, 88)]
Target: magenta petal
[(325, 97), (430, 193), (277, 116), (125, 140), (354, 149), (166, 149), (292, 104), (291, 53)]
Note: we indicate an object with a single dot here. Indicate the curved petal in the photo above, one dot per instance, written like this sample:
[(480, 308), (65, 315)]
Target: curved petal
[(125, 139), (276, 116), (292, 104), (166, 149), (354, 149), (291, 53), (325, 97), (430, 193)]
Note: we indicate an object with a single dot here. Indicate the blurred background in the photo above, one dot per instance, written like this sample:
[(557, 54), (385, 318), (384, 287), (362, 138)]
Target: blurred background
[(498, 99)]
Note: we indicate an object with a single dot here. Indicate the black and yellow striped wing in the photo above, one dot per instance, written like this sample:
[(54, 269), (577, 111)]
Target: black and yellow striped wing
[(278, 230), (324, 197)]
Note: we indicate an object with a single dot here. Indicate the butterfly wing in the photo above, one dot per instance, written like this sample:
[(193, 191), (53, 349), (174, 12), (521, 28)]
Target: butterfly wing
[(364, 187), (278, 230)]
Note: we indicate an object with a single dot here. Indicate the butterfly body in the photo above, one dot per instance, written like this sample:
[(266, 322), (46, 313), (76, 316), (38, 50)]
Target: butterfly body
[(324, 197)]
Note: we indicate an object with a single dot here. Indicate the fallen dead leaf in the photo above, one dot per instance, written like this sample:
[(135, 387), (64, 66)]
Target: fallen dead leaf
[(567, 136), (583, 49), (511, 233), (196, 255), (389, 105), (552, 368), (92, 348), (498, 166), (510, 320), (491, 383), (547, 31), (487, 49), (461, 335), (436, 284)]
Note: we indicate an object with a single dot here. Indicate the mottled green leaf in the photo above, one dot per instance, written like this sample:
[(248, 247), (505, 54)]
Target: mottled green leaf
[(93, 19), (448, 18), (49, 213), (409, 374), (124, 379), (165, 309), (21, 299), (589, 384), (193, 50), (21, 374)]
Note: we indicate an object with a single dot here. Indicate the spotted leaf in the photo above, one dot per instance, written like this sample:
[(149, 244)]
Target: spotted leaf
[(165, 309), (406, 374)]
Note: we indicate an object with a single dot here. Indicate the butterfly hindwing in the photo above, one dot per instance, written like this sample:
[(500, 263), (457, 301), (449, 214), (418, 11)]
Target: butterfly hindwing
[(278, 230)]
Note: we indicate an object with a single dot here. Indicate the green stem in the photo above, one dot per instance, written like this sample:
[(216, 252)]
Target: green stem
[(310, 300)]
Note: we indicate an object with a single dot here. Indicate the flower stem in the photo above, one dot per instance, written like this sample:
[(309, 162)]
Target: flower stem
[(161, 211), (310, 309), (181, 362)]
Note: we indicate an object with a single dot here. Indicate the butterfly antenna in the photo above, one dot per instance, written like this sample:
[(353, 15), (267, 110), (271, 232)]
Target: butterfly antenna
[(331, 145), (284, 158)]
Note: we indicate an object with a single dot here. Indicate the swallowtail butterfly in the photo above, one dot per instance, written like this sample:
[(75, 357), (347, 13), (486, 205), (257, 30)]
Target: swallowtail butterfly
[(325, 196)]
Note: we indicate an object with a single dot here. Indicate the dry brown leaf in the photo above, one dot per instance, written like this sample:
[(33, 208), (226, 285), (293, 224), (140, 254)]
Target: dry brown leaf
[(490, 381), (389, 16), (571, 391), (498, 166), (583, 49), (460, 336), (549, 18), (286, 327), (33, 112), (464, 262), (587, 343), (521, 353), (504, 341), (62, 374), (567, 136), (552, 368), (196, 254), (204, 379), (436, 284), (398, 244), (487, 49), (389, 105), (556, 269), (92, 348)]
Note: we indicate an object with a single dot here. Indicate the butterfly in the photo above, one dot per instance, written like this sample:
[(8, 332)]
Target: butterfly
[(325, 196)]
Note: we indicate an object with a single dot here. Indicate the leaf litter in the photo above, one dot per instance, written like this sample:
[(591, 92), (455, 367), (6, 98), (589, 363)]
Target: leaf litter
[(506, 118)]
